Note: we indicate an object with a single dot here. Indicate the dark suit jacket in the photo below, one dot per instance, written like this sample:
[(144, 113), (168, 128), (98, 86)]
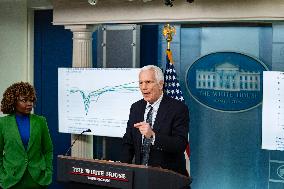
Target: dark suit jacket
[(171, 131), (15, 159)]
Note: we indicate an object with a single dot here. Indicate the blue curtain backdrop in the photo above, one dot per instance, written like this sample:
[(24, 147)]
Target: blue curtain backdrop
[(53, 49)]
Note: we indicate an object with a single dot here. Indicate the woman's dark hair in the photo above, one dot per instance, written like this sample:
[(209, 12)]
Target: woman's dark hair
[(12, 94)]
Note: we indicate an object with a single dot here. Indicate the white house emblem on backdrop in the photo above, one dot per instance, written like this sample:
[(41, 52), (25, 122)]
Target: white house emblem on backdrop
[(226, 81), (228, 77)]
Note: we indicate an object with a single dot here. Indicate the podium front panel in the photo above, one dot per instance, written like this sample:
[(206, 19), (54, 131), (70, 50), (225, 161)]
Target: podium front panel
[(95, 173), (117, 175)]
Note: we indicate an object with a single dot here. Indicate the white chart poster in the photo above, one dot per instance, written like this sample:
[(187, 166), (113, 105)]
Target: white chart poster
[(273, 111), (96, 99)]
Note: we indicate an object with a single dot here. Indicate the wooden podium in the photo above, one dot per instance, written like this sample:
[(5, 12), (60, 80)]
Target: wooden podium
[(90, 173)]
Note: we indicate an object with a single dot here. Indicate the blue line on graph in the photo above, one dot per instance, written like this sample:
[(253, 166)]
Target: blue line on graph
[(95, 95)]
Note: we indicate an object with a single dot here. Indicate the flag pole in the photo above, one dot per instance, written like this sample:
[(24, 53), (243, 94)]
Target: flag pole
[(171, 85)]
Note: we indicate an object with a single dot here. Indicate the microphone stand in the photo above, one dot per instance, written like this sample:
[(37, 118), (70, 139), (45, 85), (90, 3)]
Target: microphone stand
[(88, 130)]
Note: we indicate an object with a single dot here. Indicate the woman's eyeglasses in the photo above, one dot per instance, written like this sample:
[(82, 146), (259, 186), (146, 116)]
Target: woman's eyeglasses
[(25, 100)]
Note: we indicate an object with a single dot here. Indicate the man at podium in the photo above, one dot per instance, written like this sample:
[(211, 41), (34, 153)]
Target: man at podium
[(157, 129)]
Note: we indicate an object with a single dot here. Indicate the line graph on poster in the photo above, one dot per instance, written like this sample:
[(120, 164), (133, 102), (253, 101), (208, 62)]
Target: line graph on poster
[(98, 99)]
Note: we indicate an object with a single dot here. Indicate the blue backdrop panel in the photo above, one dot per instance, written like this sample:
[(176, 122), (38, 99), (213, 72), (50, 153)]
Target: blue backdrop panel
[(53, 49), (226, 147)]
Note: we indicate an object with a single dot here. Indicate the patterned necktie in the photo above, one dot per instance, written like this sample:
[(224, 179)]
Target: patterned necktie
[(146, 145)]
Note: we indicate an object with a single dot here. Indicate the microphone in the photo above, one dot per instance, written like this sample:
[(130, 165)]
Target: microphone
[(85, 131), (88, 130)]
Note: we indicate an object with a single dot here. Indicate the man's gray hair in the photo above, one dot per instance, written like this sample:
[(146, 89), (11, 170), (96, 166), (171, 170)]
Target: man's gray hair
[(158, 72)]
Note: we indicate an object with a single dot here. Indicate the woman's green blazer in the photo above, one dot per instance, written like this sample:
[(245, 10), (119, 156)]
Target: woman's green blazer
[(15, 159)]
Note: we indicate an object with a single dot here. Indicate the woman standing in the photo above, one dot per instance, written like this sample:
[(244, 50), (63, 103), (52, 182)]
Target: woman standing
[(26, 148)]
